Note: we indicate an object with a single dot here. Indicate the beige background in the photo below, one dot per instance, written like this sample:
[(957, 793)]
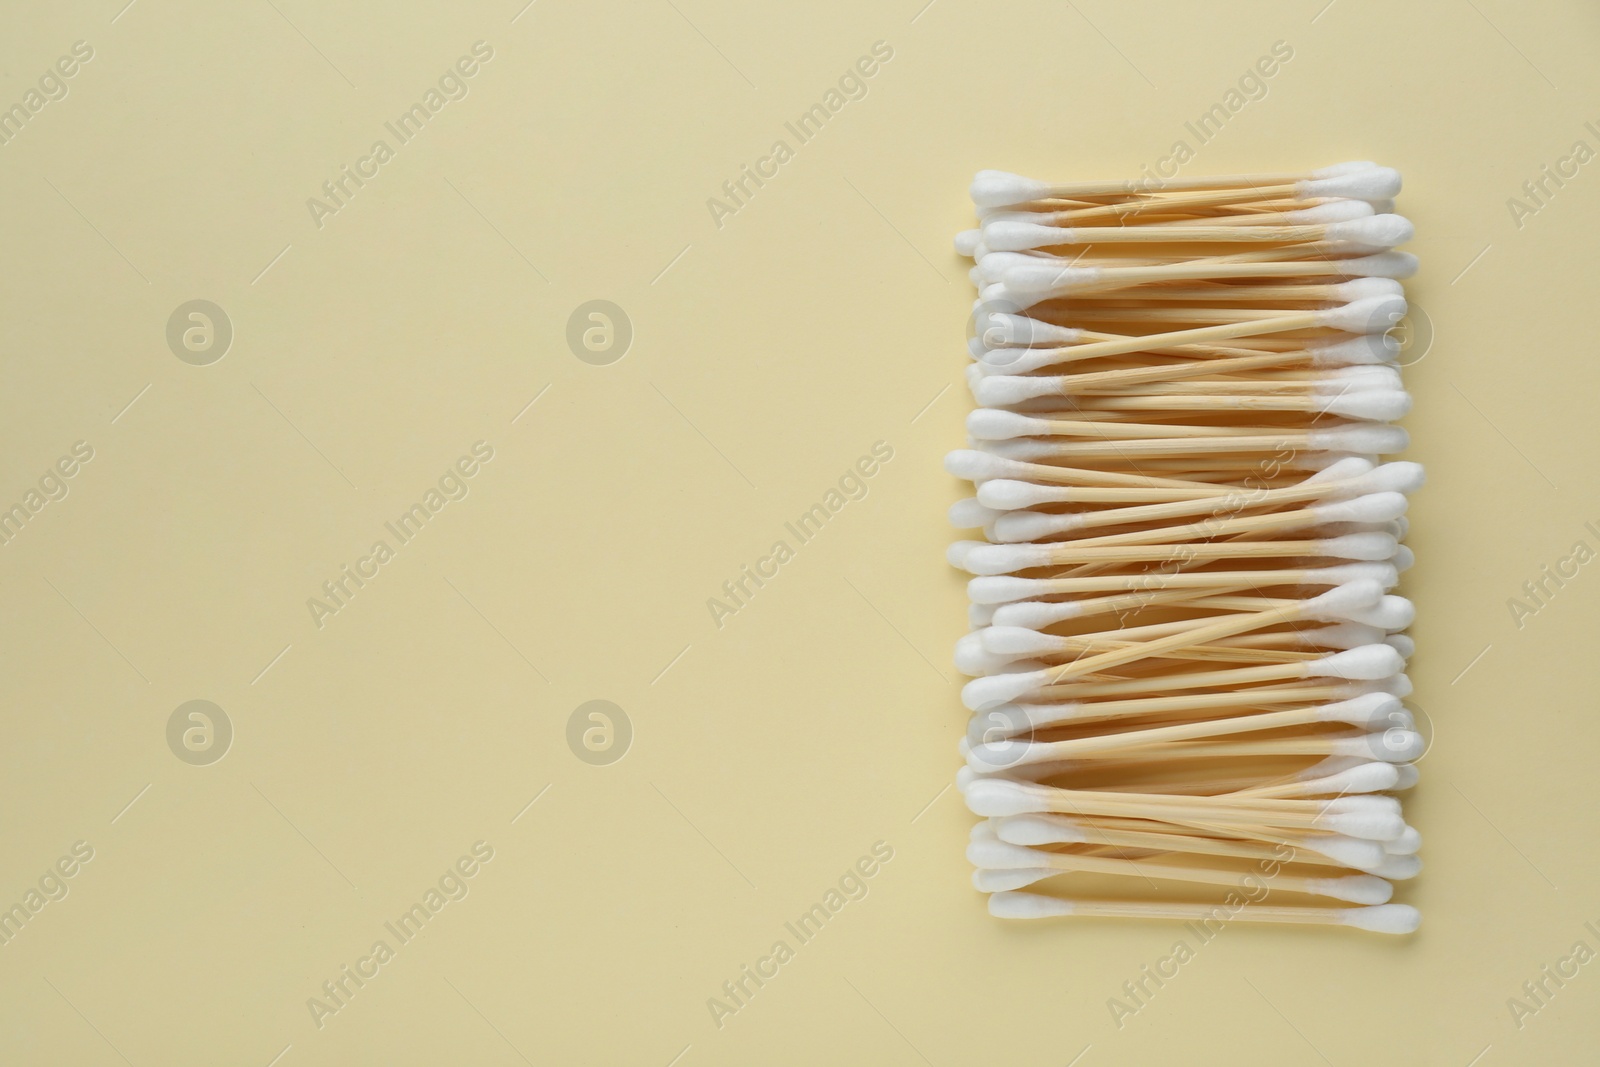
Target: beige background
[(767, 755)]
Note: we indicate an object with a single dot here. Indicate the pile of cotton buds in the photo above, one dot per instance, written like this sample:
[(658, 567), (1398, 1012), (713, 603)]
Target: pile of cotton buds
[(1187, 665)]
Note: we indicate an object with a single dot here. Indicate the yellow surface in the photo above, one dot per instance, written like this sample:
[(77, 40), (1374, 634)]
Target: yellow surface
[(769, 354)]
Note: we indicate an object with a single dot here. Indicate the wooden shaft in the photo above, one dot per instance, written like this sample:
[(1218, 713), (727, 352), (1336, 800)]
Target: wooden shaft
[(1264, 182), (1271, 720), (1268, 442), (1213, 527), (1072, 385), (1240, 499), (1184, 579), (1067, 553), (1198, 636), (1259, 913), (1299, 746), (1066, 861), (1200, 234), (1206, 199), (1277, 324), (1189, 702)]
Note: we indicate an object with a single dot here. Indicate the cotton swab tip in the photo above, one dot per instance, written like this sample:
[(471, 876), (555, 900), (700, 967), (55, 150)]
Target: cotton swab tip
[(1027, 906), (1382, 919), (1356, 888)]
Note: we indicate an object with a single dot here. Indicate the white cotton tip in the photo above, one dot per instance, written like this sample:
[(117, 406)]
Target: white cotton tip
[(1359, 437), (1379, 231), (998, 188), (1014, 526), (1006, 559), (1374, 314), (969, 514), (977, 466), (1013, 641), (1403, 558), (1383, 919), (1021, 449), (1399, 686), (1367, 825), (1367, 288), (1372, 376), (1408, 843), (997, 796), (1371, 507), (1000, 329), (1379, 265), (1040, 275), (996, 855), (1329, 211), (1009, 494), (1408, 775), (1390, 613), (989, 424), (1368, 778), (1042, 716), (987, 272), (1027, 906), (1400, 476), (1039, 830), (997, 724), (1341, 382), (1018, 360), (1382, 573), (1372, 183), (1352, 852), (1337, 602), (1035, 614), (1007, 236), (1340, 636), (979, 615), (1343, 469), (1368, 710), (1358, 664), (1003, 589), (1363, 546), (1400, 746), (981, 694), (1394, 746), (956, 554), (967, 241), (993, 294), (1362, 350), (1356, 888), (1401, 719), (972, 375), (994, 265), (973, 659), (1402, 527), (986, 881), (1326, 766), (1003, 390), (1362, 804), (1396, 868), (1374, 406), (1389, 528), (1016, 215)]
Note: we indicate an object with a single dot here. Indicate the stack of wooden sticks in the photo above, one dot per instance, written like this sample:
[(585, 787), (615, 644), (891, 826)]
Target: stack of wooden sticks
[(1186, 660)]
